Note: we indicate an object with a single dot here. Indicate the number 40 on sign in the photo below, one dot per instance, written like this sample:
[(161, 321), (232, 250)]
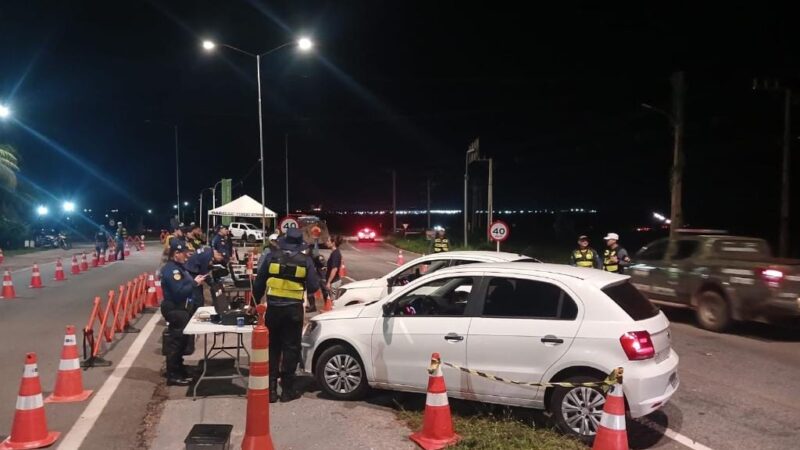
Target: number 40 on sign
[(499, 232)]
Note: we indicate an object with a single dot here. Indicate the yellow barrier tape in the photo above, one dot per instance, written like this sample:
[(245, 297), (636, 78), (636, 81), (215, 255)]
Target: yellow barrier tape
[(615, 377)]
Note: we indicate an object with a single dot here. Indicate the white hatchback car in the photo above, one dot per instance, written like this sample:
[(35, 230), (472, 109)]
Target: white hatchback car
[(520, 321), (365, 291)]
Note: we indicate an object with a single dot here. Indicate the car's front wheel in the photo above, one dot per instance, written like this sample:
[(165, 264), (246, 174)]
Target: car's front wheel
[(577, 410), (713, 312), (340, 373), (250, 238)]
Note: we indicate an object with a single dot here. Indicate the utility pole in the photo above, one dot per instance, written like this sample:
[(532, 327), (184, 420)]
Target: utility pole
[(490, 200), (394, 200), (472, 154), (774, 85), (429, 201), (286, 158), (676, 188)]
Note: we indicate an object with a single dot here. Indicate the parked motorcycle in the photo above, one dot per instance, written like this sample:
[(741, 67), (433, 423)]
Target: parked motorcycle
[(52, 239)]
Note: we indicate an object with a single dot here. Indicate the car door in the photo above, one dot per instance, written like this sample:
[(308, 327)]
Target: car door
[(679, 277), (646, 274), (526, 324), (411, 329)]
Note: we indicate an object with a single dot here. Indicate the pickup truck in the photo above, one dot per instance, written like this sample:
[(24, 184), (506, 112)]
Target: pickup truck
[(245, 231), (723, 278)]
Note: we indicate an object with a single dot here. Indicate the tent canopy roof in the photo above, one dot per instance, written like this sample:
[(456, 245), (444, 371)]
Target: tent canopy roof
[(244, 206)]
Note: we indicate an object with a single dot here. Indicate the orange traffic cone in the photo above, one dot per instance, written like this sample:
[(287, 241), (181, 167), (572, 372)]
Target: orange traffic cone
[(76, 268), (59, 271), (400, 259), (343, 271), (112, 254), (36, 277), (126, 250), (159, 291), (101, 260), (84, 263), (437, 425), (151, 301), (69, 382), (2, 256), (29, 429), (328, 305), (611, 434), (256, 432), (8, 287)]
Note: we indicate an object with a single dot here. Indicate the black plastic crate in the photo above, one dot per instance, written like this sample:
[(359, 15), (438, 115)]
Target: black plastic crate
[(207, 436)]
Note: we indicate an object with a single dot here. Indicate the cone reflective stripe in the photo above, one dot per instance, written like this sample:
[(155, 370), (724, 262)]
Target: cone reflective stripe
[(36, 277), (256, 434), (8, 287), (159, 291), (2, 256), (151, 281), (437, 424), (151, 301), (611, 434), (84, 263), (69, 382), (59, 271), (29, 429)]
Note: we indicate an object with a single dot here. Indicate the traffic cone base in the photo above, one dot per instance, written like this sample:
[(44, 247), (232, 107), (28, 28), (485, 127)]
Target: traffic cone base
[(437, 424)]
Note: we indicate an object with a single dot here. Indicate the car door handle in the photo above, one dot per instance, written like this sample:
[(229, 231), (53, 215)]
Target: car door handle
[(453, 337), (550, 339)]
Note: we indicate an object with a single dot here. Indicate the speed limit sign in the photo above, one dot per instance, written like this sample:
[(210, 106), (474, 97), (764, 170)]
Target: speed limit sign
[(287, 223), (499, 231)]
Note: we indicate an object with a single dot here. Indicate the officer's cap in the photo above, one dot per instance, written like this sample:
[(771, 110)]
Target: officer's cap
[(583, 237), (177, 245)]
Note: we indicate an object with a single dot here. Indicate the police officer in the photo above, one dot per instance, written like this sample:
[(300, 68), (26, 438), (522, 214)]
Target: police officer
[(441, 243), (615, 258), (284, 276), (200, 264), (585, 256), (194, 238), (120, 236), (177, 308), (177, 233), (101, 240), (221, 243)]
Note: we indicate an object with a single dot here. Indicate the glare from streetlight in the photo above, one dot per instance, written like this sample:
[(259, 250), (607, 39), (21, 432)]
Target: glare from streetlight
[(5, 111), (174, 206), (42, 210), (305, 44), (149, 211), (68, 206), (185, 203), (209, 45)]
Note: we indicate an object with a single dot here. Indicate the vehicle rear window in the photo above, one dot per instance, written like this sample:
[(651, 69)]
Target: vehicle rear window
[(631, 301), (741, 248)]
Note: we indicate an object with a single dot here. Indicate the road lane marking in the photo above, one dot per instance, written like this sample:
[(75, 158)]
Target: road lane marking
[(354, 247), (672, 434), (83, 426)]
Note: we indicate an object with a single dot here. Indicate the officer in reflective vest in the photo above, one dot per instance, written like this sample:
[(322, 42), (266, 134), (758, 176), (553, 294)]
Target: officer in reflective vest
[(440, 243), (615, 258), (285, 274), (584, 256)]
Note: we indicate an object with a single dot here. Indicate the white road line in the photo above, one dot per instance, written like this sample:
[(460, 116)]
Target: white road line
[(354, 248), (83, 426), (672, 434)]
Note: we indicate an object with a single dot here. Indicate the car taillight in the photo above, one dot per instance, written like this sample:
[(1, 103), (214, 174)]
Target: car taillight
[(637, 345), (771, 275)]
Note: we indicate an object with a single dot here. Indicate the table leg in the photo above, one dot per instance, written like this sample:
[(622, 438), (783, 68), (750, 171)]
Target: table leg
[(205, 366)]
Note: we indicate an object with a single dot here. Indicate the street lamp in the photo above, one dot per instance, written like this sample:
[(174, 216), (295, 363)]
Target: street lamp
[(177, 172), (68, 207), (5, 111), (304, 44), (42, 210), (185, 203), (149, 211)]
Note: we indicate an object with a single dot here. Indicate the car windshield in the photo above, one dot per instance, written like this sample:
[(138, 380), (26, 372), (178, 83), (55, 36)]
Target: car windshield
[(249, 226), (631, 301)]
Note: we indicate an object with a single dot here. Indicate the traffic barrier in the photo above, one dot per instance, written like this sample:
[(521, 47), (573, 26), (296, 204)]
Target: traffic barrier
[(29, 429), (400, 259), (8, 287), (36, 278), (59, 271), (69, 382), (76, 268), (92, 342), (437, 424), (84, 263), (611, 380), (611, 434), (159, 291), (101, 260), (256, 434)]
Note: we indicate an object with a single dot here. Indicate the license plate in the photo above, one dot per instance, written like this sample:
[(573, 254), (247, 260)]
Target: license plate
[(673, 380)]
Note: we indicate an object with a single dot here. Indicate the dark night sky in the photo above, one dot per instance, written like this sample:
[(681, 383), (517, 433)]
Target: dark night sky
[(554, 95)]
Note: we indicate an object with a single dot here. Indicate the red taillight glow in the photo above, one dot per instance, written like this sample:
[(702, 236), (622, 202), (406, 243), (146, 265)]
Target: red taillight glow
[(637, 345), (772, 275)]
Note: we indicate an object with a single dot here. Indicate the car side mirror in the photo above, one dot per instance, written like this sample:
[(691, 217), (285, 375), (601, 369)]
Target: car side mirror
[(388, 308), (389, 285)]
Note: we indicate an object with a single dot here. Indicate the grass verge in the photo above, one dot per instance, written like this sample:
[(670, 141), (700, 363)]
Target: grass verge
[(495, 428)]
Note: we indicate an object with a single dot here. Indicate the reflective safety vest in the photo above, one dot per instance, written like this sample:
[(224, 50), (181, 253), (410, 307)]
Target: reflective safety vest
[(441, 245), (583, 258), (608, 266), (287, 277)]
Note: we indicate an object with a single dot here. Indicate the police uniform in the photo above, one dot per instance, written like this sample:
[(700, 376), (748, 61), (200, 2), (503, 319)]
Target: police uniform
[(120, 237), (441, 244), (285, 274), (621, 255), (199, 264), (221, 244), (584, 257), (177, 308), (101, 240)]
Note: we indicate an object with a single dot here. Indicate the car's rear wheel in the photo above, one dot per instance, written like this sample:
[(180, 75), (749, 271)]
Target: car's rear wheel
[(713, 312), (340, 373), (251, 238), (577, 410)]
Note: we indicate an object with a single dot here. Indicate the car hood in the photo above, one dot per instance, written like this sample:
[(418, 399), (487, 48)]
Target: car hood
[(361, 284), (348, 312)]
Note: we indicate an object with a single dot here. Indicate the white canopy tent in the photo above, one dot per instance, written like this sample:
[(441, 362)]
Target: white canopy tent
[(244, 206)]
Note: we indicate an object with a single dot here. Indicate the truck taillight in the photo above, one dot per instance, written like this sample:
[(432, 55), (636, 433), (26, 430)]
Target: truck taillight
[(637, 345), (771, 275)]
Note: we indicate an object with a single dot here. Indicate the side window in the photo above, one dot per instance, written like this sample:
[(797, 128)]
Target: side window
[(415, 271), (514, 297), (655, 251), (460, 262), (685, 249), (442, 297)]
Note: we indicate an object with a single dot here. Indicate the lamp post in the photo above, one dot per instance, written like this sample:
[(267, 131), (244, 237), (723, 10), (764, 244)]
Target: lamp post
[(303, 44), (177, 165), (5, 111)]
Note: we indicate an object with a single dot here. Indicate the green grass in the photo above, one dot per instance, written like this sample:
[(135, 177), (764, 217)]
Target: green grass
[(490, 429)]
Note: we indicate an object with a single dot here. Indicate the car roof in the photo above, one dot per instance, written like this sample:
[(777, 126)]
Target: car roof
[(599, 278), (482, 254)]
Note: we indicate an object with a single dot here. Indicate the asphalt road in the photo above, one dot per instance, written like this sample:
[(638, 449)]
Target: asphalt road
[(737, 391)]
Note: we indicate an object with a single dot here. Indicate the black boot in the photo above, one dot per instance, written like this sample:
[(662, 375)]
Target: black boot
[(173, 347), (287, 389), (273, 391)]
